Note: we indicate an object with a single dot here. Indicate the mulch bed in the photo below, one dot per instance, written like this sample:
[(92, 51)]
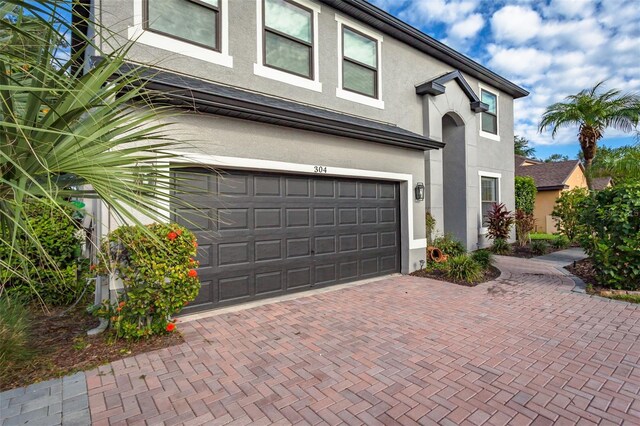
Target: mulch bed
[(584, 270), (61, 346), (526, 253), (490, 274)]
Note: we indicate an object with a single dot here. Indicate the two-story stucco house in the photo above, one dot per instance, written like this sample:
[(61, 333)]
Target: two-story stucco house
[(335, 126)]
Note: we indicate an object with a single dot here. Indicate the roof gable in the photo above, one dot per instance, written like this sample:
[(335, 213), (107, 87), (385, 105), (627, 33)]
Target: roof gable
[(437, 87), (548, 176)]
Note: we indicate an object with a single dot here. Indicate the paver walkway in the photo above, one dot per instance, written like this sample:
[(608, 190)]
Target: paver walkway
[(563, 257), (523, 349), (59, 401)]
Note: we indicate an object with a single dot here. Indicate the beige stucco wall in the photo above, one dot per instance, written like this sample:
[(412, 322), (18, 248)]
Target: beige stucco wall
[(546, 200)]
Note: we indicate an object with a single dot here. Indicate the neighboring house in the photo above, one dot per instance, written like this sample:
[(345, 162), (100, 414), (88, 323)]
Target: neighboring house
[(329, 120), (601, 183), (551, 179)]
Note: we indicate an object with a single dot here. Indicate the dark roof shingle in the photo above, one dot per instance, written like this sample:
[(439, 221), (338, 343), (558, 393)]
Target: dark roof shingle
[(547, 176)]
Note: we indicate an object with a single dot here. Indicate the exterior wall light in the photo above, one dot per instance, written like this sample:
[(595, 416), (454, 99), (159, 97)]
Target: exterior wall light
[(419, 191)]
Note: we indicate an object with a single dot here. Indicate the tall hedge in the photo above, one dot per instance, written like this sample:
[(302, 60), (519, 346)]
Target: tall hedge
[(525, 193), (611, 237), (52, 278)]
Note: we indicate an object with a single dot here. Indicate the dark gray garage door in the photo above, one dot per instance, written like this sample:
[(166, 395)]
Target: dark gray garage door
[(262, 235)]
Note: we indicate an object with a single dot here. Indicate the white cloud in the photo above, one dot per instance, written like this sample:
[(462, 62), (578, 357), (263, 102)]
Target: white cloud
[(553, 48), (519, 61), (440, 10), (515, 24), (570, 8), (468, 27)]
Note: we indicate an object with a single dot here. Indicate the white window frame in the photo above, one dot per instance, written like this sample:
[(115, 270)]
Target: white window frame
[(484, 134), (346, 94), (261, 70), (138, 34), (481, 174)]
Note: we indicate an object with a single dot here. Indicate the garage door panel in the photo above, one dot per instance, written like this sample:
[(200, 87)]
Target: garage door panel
[(347, 190), (233, 253), (348, 216), (368, 215), (348, 270), (297, 187), (269, 282), (233, 219), (368, 190), (299, 278), (297, 217), (267, 218), (267, 186), (268, 250), (369, 266), (347, 243), (233, 185), (281, 233), (326, 274), (324, 189), (297, 247), (324, 216)]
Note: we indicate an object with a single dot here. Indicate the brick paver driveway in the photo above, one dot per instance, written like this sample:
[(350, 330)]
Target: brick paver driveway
[(523, 349)]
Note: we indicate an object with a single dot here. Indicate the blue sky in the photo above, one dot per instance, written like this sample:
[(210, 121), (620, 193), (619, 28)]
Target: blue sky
[(553, 48)]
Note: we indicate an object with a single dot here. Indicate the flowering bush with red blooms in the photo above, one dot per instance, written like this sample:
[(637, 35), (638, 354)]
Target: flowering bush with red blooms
[(157, 269)]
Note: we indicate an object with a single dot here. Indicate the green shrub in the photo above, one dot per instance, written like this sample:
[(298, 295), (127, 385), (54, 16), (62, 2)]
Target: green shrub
[(567, 212), (539, 247), (612, 217), (158, 275), (484, 258), (52, 278), (500, 246), (499, 222), (525, 191), (449, 245), (463, 268), (562, 242), (14, 333)]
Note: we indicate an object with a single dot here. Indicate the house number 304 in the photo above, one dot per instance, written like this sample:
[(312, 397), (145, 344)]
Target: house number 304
[(320, 169)]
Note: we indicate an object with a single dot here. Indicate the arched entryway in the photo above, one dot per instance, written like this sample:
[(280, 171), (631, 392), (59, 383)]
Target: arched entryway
[(454, 177)]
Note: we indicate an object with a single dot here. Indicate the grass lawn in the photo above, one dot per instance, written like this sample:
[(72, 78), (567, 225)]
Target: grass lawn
[(542, 236)]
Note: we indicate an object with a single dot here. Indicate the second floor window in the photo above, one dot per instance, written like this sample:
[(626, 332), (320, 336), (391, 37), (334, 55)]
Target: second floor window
[(359, 63), (288, 37), (193, 21), (490, 117)]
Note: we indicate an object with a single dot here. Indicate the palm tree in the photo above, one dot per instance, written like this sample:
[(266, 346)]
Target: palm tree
[(66, 135), (521, 147), (593, 110)]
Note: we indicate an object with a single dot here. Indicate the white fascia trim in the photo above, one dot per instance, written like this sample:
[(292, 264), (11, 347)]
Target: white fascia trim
[(261, 70), (308, 169), (351, 96), (481, 174), (139, 35), (484, 134)]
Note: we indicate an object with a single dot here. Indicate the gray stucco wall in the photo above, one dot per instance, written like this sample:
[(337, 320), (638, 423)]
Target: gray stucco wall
[(402, 68), (480, 154)]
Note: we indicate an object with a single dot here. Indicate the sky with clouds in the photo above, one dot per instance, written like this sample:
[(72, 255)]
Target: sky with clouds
[(553, 48)]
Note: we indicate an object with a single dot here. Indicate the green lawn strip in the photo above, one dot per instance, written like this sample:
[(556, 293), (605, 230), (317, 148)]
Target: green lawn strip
[(631, 298), (541, 236)]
